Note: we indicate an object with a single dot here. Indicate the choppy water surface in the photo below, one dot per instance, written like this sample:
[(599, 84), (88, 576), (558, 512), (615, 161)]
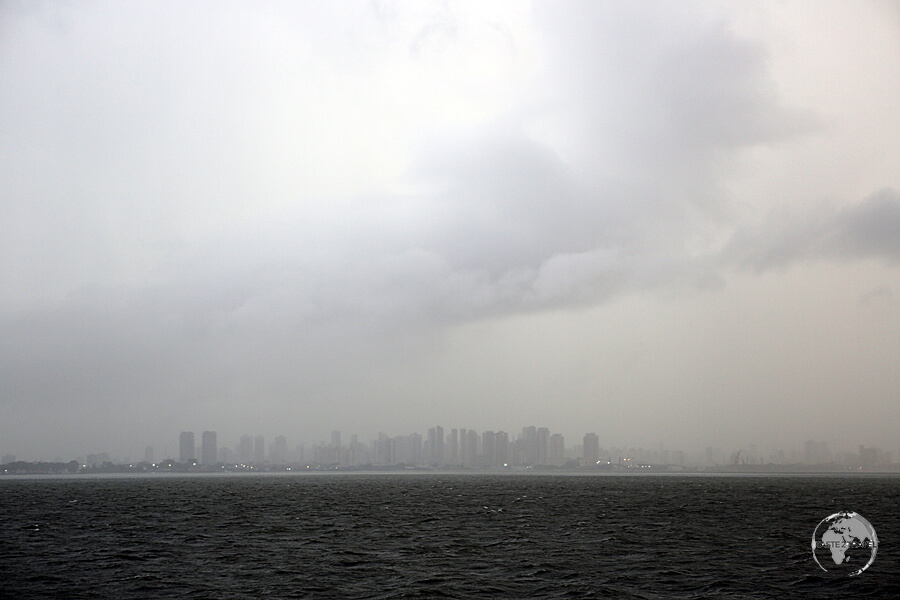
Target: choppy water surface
[(436, 536)]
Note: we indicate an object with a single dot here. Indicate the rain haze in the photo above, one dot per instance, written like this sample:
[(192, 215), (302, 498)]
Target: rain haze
[(666, 223)]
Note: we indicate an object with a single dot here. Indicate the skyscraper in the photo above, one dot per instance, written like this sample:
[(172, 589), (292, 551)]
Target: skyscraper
[(557, 447), (591, 449), (439, 448), (453, 447), (435, 446), (543, 445), (186, 446), (208, 454), (530, 445), (501, 439), (472, 446), (464, 459)]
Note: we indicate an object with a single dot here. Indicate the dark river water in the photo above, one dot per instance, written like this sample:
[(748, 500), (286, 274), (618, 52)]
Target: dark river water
[(436, 536)]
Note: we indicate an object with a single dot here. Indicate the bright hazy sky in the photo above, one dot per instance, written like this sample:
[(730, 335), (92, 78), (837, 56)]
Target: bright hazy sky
[(672, 223)]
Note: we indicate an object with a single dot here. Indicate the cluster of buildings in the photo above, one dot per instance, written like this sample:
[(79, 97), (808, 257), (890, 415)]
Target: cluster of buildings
[(465, 448), (250, 450), (468, 448), (532, 447), (818, 453)]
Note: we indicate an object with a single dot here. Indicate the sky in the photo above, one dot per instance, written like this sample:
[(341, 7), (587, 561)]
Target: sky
[(664, 222)]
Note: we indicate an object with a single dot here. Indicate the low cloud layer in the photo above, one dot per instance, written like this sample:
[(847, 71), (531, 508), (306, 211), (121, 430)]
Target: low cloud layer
[(868, 229)]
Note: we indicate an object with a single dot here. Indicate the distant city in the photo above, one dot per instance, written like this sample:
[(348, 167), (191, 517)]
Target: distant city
[(534, 448)]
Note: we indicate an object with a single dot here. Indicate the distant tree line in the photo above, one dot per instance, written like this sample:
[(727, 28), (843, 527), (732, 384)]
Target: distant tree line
[(21, 467)]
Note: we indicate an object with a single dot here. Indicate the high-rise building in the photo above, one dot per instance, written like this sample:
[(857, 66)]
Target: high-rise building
[(591, 449), (472, 446), (543, 445), (502, 442), (557, 447), (354, 452), (453, 447), (148, 454), (396, 449), (186, 446), (464, 458), (381, 450), (529, 445), (435, 446), (439, 448), (209, 451)]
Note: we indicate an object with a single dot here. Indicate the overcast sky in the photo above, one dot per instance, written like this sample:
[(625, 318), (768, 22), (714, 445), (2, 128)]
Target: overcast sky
[(671, 223)]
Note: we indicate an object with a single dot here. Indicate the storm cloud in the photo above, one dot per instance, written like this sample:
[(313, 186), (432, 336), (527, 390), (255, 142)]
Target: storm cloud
[(224, 216)]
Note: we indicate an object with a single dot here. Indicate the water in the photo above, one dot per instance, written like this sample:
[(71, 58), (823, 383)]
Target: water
[(435, 536)]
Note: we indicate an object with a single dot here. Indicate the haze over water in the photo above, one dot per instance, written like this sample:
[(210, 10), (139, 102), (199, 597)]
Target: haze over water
[(665, 223)]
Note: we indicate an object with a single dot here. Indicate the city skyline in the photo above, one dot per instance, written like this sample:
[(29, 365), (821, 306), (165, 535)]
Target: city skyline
[(470, 448)]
